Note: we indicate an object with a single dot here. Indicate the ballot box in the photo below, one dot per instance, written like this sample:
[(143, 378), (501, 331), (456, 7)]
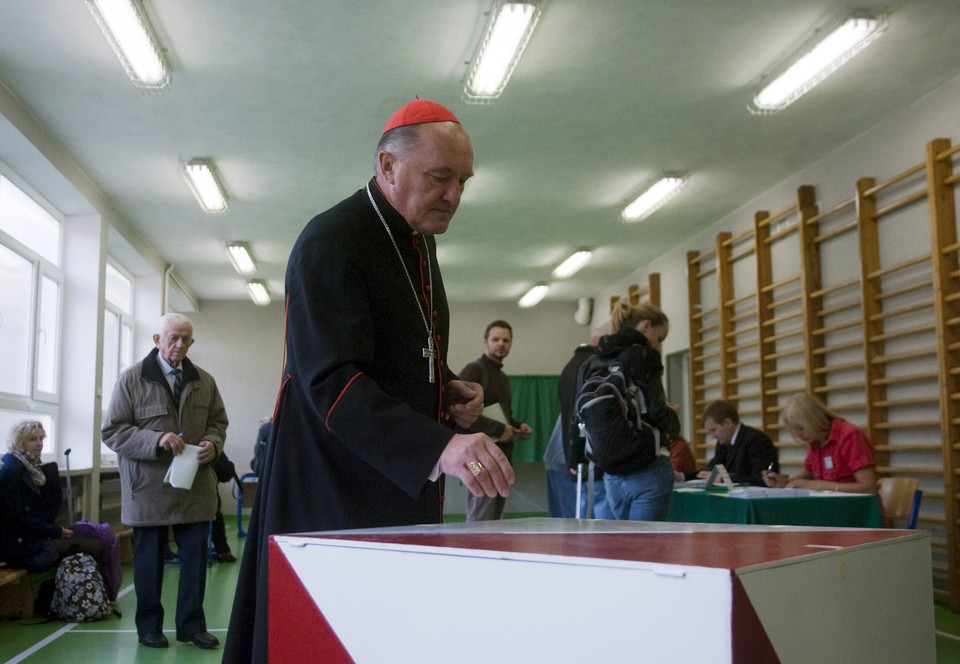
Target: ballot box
[(563, 590)]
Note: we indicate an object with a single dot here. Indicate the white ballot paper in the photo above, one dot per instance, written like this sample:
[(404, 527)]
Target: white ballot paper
[(495, 412), (183, 468)]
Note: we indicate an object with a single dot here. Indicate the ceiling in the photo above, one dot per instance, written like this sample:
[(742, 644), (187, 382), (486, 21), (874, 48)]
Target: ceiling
[(289, 97)]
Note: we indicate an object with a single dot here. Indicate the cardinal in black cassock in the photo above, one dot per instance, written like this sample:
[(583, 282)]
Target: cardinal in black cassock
[(366, 401)]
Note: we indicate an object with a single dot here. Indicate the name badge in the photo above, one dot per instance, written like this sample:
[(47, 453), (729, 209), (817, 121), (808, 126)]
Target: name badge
[(828, 462)]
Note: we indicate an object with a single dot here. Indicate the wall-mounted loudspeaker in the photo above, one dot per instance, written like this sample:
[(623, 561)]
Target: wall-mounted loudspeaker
[(584, 311)]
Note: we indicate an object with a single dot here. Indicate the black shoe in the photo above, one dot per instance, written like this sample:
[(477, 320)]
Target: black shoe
[(154, 640), (204, 640), (226, 557)]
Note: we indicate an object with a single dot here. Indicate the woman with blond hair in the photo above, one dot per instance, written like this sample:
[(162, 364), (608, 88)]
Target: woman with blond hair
[(636, 334), (839, 455), (30, 497)]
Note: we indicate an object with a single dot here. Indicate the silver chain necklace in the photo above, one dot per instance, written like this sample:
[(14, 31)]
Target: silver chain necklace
[(430, 353)]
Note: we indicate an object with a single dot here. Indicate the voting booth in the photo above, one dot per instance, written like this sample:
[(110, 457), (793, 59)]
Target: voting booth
[(564, 590)]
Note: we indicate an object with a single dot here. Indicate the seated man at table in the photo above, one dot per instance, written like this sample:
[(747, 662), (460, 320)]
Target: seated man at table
[(744, 451)]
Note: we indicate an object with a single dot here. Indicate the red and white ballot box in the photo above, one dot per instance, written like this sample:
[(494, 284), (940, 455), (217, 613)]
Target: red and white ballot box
[(559, 590)]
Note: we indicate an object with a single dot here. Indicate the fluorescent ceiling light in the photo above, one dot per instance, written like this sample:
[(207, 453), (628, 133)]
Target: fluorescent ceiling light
[(653, 197), (132, 38), (258, 292), (570, 266), (240, 256), (815, 61), (508, 31), (201, 177), (533, 296)]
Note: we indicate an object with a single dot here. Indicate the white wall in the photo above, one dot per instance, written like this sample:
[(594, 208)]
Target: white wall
[(880, 152), (543, 337), (241, 345)]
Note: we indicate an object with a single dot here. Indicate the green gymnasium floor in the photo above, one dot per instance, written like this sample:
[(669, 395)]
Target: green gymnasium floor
[(114, 640)]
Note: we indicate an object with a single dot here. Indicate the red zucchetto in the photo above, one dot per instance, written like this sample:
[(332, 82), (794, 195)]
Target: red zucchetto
[(419, 111)]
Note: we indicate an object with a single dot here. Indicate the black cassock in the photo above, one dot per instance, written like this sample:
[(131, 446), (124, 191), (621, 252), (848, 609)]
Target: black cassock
[(358, 427)]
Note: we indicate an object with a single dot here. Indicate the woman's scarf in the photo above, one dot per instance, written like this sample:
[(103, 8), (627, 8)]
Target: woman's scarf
[(32, 465)]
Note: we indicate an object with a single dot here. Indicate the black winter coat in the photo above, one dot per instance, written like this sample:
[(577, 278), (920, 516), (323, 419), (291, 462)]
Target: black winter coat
[(358, 427), (27, 512), (643, 363)]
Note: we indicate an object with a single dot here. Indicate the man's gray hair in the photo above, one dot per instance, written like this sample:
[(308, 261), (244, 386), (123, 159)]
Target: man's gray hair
[(398, 142), (172, 318)]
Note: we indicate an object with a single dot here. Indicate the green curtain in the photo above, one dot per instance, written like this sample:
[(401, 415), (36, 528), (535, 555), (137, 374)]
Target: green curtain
[(534, 402)]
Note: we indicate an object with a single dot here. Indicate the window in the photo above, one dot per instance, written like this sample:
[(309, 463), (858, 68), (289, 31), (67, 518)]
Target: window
[(117, 350), (30, 297), (28, 222), (111, 354), (16, 314), (117, 335), (30, 310), (48, 332), (117, 328), (119, 289), (10, 417)]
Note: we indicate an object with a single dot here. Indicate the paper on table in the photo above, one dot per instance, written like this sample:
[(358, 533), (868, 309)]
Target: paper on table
[(183, 468), (495, 412), (767, 492)]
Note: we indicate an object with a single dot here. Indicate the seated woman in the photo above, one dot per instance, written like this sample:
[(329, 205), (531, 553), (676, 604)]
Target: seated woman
[(839, 455), (29, 501)]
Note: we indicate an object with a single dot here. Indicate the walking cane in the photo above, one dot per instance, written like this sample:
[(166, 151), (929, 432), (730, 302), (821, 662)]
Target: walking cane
[(66, 456), (579, 485)]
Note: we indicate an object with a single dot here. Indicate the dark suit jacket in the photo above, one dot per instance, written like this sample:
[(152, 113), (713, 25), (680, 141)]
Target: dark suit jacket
[(745, 460)]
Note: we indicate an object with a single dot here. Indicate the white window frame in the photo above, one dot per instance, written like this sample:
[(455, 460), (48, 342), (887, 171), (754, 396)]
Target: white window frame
[(108, 456), (37, 401), (125, 318)]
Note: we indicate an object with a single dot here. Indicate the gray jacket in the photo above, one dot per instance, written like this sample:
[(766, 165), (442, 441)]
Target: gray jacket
[(141, 412)]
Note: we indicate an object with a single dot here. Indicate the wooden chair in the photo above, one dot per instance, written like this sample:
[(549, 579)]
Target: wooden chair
[(900, 497)]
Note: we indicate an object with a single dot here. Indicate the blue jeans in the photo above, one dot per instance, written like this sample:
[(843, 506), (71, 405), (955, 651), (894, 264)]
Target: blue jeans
[(641, 496), (562, 496), (600, 508)]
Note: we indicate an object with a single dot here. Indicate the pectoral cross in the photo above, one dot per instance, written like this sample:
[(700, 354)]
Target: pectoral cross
[(431, 354)]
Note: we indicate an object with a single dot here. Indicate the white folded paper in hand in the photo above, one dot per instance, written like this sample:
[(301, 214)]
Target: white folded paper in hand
[(183, 468)]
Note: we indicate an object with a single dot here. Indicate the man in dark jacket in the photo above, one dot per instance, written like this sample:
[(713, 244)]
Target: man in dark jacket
[(744, 451), (226, 471), (159, 405), (363, 428), (561, 486), (497, 420)]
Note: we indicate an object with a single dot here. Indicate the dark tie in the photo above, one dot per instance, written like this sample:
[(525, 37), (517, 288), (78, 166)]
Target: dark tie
[(178, 386)]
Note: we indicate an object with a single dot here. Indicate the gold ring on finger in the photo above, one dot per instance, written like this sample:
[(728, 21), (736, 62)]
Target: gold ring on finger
[(475, 467)]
